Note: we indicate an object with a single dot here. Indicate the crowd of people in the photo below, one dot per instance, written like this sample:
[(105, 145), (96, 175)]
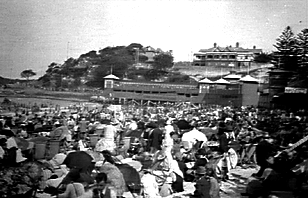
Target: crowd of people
[(165, 146)]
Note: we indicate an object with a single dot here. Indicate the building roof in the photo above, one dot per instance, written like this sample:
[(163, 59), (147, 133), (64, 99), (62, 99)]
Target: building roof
[(232, 76), (230, 48), (276, 70), (249, 78), (221, 81), (111, 76), (225, 49), (149, 49), (206, 81)]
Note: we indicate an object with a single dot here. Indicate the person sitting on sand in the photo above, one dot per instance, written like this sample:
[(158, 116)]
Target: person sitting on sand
[(207, 185)]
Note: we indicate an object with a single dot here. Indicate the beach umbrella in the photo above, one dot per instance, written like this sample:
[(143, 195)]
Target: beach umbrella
[(131, 177), (79, 160), (7, 132), (115, 177)]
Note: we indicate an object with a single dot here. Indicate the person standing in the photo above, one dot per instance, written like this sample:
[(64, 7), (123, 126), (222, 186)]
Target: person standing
[(83, 126), (223, 140), (155, 138), (265, 151)]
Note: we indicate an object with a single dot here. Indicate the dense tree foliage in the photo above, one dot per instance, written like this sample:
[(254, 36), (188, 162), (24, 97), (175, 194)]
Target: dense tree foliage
[(115, 60), (292, 55), (263, 58), (301, 47), (285, 56), (163, 61), (179, 79), (93, 66)]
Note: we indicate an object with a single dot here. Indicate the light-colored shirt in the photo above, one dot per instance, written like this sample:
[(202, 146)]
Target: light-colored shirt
[(11, 143)]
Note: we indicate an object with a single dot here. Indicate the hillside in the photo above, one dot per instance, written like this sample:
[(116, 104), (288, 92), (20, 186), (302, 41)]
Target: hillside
[(133, 62)]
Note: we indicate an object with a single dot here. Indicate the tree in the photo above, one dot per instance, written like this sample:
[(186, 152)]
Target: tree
[(28, 73), (285, 56), (45, 80), (301, 48), (262, 58), (163, 61), (115, 59)]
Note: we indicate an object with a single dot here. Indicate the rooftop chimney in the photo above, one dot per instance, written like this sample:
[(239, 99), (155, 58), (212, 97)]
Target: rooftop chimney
[(215, 45), (237, 44), (254, 47)]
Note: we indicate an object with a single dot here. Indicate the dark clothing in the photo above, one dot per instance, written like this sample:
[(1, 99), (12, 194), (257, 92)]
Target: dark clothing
[(156, 138), (263, 151), (182, 166), (177, 186), (223, 143), (200, 162)]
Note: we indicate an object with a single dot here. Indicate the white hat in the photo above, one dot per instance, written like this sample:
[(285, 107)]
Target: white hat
[(169, 121)]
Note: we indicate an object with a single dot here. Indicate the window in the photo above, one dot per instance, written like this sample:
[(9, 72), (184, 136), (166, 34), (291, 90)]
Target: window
[(216, 56), (232, 56), (224, 56), (209, 56), (109, 84)]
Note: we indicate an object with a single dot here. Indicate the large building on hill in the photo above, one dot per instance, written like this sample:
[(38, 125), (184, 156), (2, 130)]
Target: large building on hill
[(220, 92), (225, 56)]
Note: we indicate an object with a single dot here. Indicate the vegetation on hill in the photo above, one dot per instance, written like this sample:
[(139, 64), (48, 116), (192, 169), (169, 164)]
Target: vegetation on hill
[(90, 68)]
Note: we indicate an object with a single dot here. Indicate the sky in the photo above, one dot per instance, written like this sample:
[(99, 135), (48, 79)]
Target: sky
[(35, 33)]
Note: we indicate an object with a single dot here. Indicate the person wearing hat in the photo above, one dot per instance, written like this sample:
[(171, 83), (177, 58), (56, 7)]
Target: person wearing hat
[(206, 185)]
